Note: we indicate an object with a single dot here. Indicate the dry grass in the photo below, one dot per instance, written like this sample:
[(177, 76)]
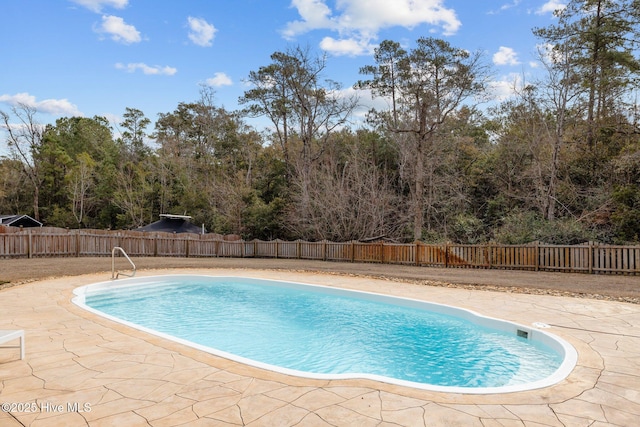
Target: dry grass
[(610, 287)]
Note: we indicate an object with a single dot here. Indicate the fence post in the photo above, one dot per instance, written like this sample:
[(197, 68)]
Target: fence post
[(298, 249), (155, 244), (77, 243), (353, 251), (488, 256), (382, 252), (416, 252), (446, 255), (590, 262), (29, 244), (324, 250), (537, 254)]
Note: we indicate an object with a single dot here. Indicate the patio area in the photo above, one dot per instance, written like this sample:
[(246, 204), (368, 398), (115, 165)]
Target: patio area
[(81, 369)]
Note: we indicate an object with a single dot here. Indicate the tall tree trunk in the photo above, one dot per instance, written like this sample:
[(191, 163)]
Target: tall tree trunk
[(553, 183), (36, 202), (418, 211), (593, 80)]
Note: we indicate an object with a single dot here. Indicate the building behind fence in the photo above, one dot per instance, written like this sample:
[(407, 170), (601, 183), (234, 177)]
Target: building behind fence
[(585, 258)]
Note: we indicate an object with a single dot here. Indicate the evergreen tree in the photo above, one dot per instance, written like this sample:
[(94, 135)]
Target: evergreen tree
[(605, 35), (427, 84)]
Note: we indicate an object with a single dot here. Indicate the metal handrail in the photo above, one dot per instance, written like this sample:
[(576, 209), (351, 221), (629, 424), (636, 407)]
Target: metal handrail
[(114, 274)]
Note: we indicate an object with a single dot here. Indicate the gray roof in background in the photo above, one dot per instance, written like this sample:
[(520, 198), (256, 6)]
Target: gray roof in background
[(19, 220), (172, 224)]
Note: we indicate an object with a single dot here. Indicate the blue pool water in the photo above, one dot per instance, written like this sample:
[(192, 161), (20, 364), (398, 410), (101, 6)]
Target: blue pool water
[(325, 331)]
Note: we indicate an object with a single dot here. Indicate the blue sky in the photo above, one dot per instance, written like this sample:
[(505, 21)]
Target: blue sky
[(98, 57)]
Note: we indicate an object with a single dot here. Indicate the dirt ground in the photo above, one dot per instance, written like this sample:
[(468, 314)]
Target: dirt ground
[(14, 272)]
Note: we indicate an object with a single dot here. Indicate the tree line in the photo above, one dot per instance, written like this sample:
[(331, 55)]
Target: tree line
[(558, 162)]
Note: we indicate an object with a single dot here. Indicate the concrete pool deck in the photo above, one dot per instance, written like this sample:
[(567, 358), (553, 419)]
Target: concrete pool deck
[(81, 369)]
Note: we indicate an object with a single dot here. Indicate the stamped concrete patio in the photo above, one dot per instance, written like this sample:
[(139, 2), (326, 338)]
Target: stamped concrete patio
[(82, 370)]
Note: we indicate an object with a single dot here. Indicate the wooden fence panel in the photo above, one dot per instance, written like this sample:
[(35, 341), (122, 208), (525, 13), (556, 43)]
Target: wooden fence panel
[(287, 249), (312, 250), (137, 245), (394, 253), (580, 258), (339, 251), (466, 256), (246, 249), (9, 229), (367, 252), (202, 248), (431, 255), (616, 259), (171, 246), (13, 245), (53, 244), (585, 258), (512, 257), (235, 249), (564, 258), (264, 249), (95, 243)]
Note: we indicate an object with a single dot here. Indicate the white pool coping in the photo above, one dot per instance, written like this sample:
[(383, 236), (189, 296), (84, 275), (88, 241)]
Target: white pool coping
[(534, 333)]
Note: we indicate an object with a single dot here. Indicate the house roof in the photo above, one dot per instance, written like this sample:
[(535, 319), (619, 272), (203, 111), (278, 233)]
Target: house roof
[(172, 224), (19, 220)]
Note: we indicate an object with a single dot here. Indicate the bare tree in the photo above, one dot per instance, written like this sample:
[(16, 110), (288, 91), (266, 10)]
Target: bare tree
[(132, 194), (346, 200), (561, 95), (80, 181), (25, 140)]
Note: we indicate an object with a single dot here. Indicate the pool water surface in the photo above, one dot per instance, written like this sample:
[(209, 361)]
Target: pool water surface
[(324, 332)]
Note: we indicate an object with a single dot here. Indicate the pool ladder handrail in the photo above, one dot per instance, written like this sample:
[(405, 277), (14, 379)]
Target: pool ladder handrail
[(114, 274)]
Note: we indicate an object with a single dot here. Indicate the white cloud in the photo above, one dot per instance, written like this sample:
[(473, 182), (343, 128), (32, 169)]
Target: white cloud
[(202, 33), (550, 6), (358, 21), (56, 107), (119, 30), (114, 119), (508, 6), (351, 47), (97, 5), (219, 79), (505, 56), (548, 55), (147, 69), (366, 102), (506, 87), (315, 15)]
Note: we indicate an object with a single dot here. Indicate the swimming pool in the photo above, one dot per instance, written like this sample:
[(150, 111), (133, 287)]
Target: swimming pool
[(329, 333)]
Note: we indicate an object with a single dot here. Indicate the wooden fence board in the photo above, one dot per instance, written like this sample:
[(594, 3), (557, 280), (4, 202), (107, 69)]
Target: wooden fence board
[(399, 254), (586, 258), (14, 245), (367, 252), (287, 249), (431, 255), (341, 251), (312, 250), (233, 249)]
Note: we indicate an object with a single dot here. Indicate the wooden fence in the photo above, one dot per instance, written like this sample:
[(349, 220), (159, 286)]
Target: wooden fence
[(585, 258)]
